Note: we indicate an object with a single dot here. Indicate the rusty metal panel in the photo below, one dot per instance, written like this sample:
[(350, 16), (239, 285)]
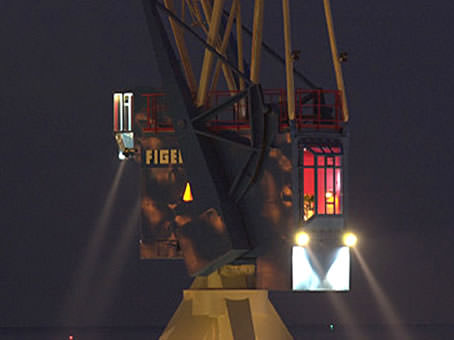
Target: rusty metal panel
[(171, 227)]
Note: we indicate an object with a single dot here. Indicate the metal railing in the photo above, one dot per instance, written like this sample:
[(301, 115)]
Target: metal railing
[(314, 109)]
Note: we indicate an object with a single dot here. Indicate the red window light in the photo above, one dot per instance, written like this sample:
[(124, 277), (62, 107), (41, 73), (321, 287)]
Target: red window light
[(322, 180)]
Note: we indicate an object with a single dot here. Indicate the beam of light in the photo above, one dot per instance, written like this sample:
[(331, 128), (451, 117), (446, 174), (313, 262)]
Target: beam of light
[(114, 268), (342, 310), (386, 309), (84, 273), (303, 276), (308, 274), (338, 275)]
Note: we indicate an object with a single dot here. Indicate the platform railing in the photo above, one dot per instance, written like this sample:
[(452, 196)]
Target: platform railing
[(317, 109)]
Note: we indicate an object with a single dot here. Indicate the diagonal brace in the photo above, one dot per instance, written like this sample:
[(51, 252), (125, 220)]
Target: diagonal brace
[(227, 103), (208, 46)]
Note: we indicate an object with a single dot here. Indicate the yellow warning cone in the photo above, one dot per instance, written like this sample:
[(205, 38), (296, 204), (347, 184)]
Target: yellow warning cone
[(187, 196)]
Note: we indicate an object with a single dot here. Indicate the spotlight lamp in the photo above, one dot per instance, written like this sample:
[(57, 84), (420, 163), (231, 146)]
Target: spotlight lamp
[(350, 239), (302, 238)]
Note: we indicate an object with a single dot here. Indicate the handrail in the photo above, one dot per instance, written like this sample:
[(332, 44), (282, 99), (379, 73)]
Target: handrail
[(318, 109)]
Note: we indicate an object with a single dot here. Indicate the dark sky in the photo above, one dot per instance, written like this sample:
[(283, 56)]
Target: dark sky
[(60, 62)]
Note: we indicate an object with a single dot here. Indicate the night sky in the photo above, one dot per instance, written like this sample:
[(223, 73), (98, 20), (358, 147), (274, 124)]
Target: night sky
[(60, 62)]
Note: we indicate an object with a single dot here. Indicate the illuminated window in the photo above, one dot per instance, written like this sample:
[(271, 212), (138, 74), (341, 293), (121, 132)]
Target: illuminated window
[(320, 179), (122, 113)]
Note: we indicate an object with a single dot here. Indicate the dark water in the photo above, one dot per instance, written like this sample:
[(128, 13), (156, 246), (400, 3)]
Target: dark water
[(417, 332)]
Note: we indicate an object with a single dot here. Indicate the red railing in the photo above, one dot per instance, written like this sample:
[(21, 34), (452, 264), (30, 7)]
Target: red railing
[(317, 109), (314, 109), (155, 115), (234, 117)]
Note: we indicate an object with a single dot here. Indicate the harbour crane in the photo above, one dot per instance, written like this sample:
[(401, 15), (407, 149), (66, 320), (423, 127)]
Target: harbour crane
[(246, 184)]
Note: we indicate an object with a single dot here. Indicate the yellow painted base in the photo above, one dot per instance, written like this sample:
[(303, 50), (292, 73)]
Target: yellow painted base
[(226, 314)]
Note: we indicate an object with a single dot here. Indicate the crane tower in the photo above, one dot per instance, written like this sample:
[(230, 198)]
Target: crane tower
[(246, 184)]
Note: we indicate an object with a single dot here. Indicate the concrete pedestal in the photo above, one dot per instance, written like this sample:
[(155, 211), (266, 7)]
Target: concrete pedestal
[(226, 314)]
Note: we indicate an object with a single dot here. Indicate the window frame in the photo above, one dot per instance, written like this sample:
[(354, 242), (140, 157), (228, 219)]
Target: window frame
[(326, 150)]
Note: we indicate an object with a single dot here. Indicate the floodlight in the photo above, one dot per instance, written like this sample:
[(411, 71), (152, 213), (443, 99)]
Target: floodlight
[(350, 239), (302, 238)]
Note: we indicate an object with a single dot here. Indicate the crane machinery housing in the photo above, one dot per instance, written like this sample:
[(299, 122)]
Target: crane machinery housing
[(246, 184)]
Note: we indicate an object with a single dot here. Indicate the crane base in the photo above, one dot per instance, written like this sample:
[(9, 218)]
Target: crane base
[(226, 314)]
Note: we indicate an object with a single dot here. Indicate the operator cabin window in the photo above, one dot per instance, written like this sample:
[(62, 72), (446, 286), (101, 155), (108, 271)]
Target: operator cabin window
[(321, 180)]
